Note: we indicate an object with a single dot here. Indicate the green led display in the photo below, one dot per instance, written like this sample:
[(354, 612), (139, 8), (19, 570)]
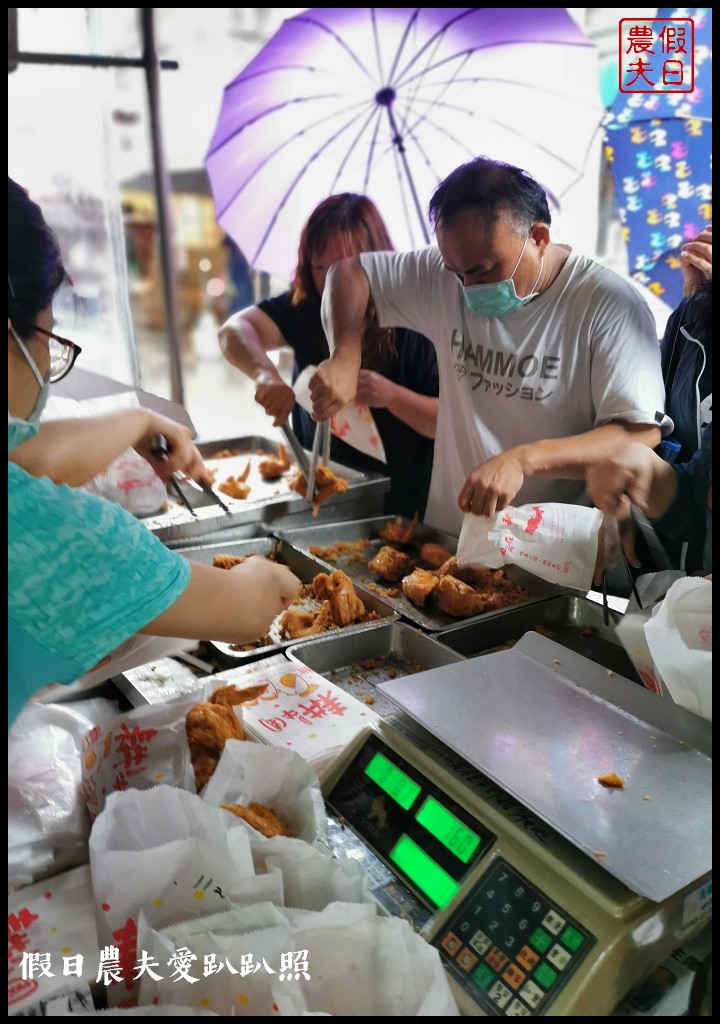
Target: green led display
[(396, 784), (448, 829), (423, 872)]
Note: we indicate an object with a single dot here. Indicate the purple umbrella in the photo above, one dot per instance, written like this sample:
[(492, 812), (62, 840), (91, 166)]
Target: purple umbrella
[(387, 101)]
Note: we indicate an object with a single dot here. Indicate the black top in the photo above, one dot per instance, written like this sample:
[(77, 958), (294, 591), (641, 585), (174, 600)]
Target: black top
[(409, 455)]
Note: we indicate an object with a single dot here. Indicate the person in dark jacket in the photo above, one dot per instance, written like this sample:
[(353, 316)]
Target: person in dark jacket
[(686, 352)]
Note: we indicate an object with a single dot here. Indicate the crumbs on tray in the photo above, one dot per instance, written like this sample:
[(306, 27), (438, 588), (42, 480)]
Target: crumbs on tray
[(612, 780)]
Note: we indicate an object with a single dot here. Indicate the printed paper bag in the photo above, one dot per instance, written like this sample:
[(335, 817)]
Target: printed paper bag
[(55, 919), (138, 749), (354, 424), (556, 542), (679, 636), (162, 848)]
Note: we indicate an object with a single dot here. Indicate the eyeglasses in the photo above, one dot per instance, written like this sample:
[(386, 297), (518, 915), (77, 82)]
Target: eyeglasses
[(63, 354)]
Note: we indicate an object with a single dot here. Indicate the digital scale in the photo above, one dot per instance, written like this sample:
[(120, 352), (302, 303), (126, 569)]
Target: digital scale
[(479, 818)]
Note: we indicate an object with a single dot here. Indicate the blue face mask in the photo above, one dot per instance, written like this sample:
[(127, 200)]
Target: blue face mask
[(20, 430), (499, 298)]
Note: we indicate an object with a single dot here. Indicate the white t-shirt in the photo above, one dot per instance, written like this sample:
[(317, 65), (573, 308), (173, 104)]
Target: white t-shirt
[(583, 353)]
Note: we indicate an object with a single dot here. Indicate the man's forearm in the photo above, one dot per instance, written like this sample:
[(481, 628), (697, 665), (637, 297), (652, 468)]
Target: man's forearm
[(568, 458)]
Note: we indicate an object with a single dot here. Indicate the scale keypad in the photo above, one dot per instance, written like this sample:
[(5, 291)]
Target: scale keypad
[(509, 947)]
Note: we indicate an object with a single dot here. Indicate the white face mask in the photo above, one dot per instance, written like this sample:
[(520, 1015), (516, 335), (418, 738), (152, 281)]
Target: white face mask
[(20, 430)]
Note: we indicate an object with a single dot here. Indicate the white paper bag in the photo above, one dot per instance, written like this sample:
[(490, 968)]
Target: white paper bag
[(556, 542), (354, 424), (679, 637)]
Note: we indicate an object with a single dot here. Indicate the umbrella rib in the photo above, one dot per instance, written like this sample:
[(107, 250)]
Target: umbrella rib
[(338, 39), (293, 183)]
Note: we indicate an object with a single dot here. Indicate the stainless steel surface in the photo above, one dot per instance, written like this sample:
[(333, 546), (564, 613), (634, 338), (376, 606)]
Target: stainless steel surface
[(359, 661), (316, 540), (305, 569), (570, 620), (545, 740), (267, 502)]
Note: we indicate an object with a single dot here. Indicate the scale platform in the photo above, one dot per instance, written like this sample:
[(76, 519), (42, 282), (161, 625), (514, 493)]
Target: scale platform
[(539, 734), (480, 819)]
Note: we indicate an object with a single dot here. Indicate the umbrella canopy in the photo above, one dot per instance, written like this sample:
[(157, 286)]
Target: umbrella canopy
[(659, 146), (386, 101)]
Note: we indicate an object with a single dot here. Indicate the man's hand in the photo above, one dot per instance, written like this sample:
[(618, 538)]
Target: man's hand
[(332, 386), (492, 486)]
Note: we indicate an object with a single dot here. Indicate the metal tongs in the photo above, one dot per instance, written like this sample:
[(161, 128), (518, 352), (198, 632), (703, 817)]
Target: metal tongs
[(320, 454), (320, 448), (614, 552), (161, 450)]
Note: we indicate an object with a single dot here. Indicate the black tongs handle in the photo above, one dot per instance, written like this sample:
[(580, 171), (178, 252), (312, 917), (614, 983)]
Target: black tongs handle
[(161, 450)]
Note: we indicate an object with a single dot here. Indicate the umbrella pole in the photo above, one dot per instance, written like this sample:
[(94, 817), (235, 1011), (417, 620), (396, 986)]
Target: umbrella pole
[(162, 191), (400, 146)]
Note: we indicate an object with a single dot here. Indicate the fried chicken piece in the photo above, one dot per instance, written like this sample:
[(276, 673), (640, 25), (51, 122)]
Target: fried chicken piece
[(262, 819), (207, 728), (229, 696), (458, 598), (419, 585), (228, 561), (434, 554), (390, 563), (338, 589), (275, 465), (398, 533), (296, 622), (326, 482), (235, 486)]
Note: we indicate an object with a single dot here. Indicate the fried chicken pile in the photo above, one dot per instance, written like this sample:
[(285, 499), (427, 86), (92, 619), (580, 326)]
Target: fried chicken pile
[(263, 819), (340, 606), (210, 724), (327, 485)]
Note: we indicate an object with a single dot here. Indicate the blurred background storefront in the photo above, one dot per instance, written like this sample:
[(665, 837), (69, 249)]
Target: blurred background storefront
[(80, 139)]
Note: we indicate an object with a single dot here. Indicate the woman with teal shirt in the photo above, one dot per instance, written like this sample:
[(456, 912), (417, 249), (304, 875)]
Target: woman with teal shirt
[(83, 574)]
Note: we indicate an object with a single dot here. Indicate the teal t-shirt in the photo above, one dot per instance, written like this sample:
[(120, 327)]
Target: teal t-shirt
[(83, 575)]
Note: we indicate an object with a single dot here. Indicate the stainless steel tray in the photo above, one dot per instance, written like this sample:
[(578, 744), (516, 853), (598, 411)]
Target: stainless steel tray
[(310, 539), (568, 619), (267, 500), (358, 662), (305, 568)]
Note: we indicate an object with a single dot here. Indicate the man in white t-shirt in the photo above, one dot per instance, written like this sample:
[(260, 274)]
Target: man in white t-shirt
[(548, 361)]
